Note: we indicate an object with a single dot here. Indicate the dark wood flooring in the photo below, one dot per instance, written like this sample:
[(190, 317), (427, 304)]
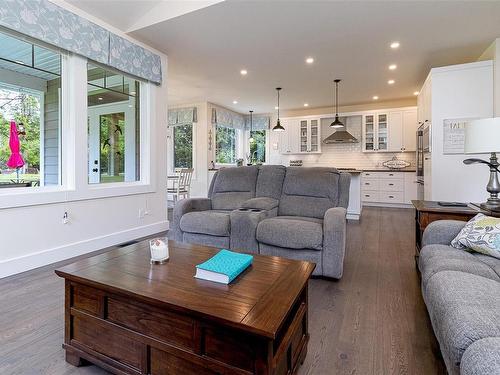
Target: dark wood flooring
[(373, 321)]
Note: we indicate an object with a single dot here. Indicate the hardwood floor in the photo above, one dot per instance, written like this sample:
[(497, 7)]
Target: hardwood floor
[(373, 321)]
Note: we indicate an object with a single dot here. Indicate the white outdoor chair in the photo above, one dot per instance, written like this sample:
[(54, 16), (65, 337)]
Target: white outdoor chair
[(181, 184)]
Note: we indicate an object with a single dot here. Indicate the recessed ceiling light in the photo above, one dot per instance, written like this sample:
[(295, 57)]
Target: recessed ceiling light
[(416, 93), (394, 45), (391, 82), (276, 107), (375, 97), (309, 60), (235, 102), (99, 98), (243, 72), (306, 104), (392, 67)]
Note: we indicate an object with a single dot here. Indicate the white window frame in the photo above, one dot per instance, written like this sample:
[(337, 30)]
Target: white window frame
[(171, 149), (74, 160), (241, 149)]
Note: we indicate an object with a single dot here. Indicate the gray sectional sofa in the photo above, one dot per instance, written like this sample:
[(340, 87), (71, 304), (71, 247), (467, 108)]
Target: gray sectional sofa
[(293, 212), (462, 294)]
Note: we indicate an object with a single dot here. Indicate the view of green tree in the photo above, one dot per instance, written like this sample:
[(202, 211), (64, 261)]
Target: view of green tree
[(23, 108), (112, 139), (225, 141), (258, 146), (183, 146)]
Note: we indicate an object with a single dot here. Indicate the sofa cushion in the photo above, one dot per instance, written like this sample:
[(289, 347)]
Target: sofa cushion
[(291, 232), (261, 203), (463, 308), (233, 186), (437, 258), (270, 181), (212, 222), (309, 191), (482, 357)]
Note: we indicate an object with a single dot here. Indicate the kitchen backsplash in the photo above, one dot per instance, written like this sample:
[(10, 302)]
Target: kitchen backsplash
[(347, 155)]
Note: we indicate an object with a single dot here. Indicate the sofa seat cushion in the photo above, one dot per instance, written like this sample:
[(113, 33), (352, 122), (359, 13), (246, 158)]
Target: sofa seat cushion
[(292, 232), (463, 308), (212, 222), (438, 258)]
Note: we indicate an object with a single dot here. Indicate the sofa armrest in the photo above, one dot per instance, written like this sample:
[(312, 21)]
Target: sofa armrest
[(481, 357), (441, 232), (181, 208), (334, 240), (261, 203), (244, 222)]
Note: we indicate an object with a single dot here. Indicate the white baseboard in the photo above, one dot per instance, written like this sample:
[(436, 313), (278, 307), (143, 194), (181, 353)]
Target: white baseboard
[(43, 258)]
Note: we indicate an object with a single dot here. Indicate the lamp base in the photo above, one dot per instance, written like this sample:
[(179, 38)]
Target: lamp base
[(493, 204)]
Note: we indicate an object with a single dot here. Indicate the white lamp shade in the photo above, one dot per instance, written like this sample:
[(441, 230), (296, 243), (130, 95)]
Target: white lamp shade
[(482, 136)]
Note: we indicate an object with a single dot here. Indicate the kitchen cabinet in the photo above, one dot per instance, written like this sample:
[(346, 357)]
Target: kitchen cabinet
[(390, 131), (402, 131), (388, 188), (301, 136), (289, 139), (375, 132)]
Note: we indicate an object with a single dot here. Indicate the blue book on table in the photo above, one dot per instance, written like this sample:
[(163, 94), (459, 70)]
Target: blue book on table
[(223, 267)]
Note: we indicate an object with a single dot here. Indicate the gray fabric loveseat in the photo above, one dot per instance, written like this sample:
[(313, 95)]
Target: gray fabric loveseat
[(294, 212), (462, 294)]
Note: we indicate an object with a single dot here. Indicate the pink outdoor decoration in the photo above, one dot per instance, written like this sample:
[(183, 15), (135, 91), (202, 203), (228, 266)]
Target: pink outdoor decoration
[(16, 159)]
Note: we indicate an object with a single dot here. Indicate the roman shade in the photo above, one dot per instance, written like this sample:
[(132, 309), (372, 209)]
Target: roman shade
[(227, 118), (182, 116), (259, 122), (45, 21)]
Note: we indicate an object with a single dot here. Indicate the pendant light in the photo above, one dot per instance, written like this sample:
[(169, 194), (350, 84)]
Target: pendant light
[(251, 123), (337, 123), (278, 127)]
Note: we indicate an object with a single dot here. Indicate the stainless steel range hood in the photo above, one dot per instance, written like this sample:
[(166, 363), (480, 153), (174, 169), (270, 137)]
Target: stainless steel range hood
[(341, 136)]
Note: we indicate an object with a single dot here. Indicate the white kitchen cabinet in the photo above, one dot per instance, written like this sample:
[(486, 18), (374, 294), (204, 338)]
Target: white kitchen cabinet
[(289, 139), (388, 188), (301, 136), (309, 135), (375, 132), (402, 130)]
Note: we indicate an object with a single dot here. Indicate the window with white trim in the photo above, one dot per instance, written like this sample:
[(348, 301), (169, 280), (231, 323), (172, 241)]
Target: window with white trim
[(226, 141), (183, 146), (30, 114), (257, 146)]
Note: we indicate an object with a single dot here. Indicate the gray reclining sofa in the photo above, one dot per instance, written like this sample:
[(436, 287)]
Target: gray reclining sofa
[(294, 212), (462, 294)]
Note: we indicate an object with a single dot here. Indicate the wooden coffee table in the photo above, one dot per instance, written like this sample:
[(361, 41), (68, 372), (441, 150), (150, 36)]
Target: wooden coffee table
[(130, 317)]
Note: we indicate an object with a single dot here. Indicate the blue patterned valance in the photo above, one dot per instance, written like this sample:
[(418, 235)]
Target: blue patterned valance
[(129, 57), (182, 116), (230, 119), (45, 21), (259, 122)]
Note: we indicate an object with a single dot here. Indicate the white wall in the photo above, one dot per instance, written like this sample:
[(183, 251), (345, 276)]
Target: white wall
[(459, 91), (34, 235)]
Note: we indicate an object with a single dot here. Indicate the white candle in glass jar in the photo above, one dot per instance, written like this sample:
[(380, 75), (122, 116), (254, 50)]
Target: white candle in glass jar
[(159, 249)]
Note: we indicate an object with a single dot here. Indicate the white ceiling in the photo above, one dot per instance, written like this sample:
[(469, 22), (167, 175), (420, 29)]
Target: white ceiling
[(348, 40)]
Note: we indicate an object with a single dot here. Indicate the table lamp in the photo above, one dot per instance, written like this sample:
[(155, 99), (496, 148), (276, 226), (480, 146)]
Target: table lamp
[(483, 137)]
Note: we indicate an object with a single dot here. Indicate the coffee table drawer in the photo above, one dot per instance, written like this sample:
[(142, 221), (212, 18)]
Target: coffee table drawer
[(164, 363), (162, 325)]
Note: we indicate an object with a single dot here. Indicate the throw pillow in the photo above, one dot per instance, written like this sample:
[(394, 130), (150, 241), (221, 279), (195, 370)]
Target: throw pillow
[(480, 234)]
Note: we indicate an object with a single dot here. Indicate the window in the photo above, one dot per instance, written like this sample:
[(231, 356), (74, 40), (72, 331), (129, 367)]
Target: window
[(30, 95), (257, 146), (183, 146), (225, 145), (113, 126)]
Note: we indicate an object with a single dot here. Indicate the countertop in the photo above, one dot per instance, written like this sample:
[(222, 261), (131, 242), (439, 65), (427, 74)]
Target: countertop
[(358, 170)]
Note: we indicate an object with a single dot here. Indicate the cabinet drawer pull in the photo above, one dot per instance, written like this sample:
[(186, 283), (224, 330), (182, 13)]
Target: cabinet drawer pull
[(391, 174), (391, 184), (367, 195), (391, 196), (367, 183)]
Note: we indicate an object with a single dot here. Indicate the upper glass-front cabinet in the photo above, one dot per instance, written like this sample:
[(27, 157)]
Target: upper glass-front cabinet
[(375, 133)]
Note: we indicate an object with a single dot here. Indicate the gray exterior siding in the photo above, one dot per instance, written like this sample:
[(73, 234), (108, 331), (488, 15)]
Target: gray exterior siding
[(51, 133)]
